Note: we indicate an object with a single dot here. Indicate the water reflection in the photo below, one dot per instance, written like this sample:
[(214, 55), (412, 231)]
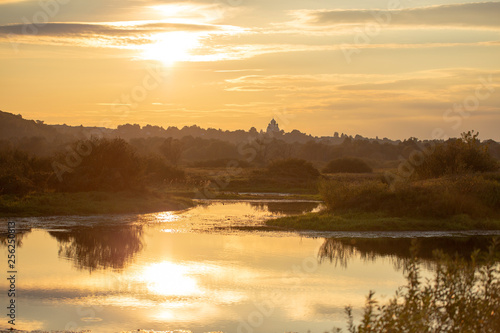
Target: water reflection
[(99, 247), (286, 207), (340, 251), (191, 279), (19, 236)]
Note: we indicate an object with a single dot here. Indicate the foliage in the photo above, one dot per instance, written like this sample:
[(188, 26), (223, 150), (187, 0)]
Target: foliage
[(347, 165), (464, 296), (457, 156), (472, 195), (221, 163), (293, 168), (155, 170), (172, 150), (21, 173), (375, 221), (90, 203), (111, 165)]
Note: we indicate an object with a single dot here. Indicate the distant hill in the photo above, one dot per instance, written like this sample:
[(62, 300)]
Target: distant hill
[(210, 145), (16, 127)]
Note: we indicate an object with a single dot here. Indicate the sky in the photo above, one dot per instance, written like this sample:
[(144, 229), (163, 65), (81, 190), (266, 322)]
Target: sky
[(387, 68)]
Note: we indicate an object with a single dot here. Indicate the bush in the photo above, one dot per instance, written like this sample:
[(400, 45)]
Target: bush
[(457, 156), (157, 170), (293, 168), (347, 165), (221, 163), (21, 173), (475, 196), (111, 165), (463, 297)]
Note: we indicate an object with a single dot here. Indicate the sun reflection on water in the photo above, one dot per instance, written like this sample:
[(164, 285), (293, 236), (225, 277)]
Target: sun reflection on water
[(166, 217), (169, 279)]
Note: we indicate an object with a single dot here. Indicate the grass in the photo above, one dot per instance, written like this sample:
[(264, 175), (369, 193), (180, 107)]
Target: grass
[(326, 221), (226, 181), (265, 195), (467, 202), (90, 203)]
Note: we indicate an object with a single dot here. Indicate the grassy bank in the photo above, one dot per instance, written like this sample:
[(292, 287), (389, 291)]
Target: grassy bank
[(451, 203), (378, 222), (90, 203)]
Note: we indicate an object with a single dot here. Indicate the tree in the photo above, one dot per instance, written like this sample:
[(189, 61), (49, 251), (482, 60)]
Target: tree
[(457, 156), (172, 150)]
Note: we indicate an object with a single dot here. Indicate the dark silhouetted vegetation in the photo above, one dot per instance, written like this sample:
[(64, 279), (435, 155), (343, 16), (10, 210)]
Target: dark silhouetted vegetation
[(21, 173), (457, 156), (220, 163), (111, 165), (36, 158), (293, 168), (347, 165), (156, 171)]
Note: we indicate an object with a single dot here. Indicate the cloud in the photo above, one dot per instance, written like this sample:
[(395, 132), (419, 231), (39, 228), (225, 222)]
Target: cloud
[(103, 29), (482, 14), (123, 35), (2, 2), (423, 93)]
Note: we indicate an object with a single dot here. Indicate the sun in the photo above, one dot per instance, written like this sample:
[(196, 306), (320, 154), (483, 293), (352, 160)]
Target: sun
[(171, 47)]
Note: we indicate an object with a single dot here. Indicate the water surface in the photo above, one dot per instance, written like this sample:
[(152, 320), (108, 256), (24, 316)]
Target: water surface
[(194, 271)]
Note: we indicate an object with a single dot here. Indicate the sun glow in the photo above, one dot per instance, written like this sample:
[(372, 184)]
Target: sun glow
[(171, 47), (169, 279)]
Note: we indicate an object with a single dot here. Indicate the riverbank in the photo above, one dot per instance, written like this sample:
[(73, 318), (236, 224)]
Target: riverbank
[(466, 202), (325, 221), (90, 203)]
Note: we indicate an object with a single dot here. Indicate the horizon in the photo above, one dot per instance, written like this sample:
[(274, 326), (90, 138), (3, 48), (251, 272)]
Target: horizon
[(353, 135), (413, 69)]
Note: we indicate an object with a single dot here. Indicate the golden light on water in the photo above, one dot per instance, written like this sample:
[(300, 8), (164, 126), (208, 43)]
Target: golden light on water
[(169, 279), (166, 217)]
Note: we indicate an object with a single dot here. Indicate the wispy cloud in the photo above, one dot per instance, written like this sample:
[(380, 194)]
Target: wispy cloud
[(481, 14), (428, 92), (11, 1), (123, 35), (103, 29)]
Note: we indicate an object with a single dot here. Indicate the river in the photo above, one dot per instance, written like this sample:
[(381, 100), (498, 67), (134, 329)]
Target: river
[(212, 268)]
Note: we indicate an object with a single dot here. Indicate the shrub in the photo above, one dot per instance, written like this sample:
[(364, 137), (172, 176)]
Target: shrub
[(111, 165), (293, 168), (342, 195), (463, 297), (21, 173), (347, 165), (221, 163), (471, 195), (457, 156), (157, 170)]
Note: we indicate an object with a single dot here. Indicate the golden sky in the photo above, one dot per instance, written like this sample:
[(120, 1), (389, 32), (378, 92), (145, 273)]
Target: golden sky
[(391, 68)]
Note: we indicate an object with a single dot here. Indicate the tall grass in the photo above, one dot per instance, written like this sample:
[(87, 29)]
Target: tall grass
[(473, 195)]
